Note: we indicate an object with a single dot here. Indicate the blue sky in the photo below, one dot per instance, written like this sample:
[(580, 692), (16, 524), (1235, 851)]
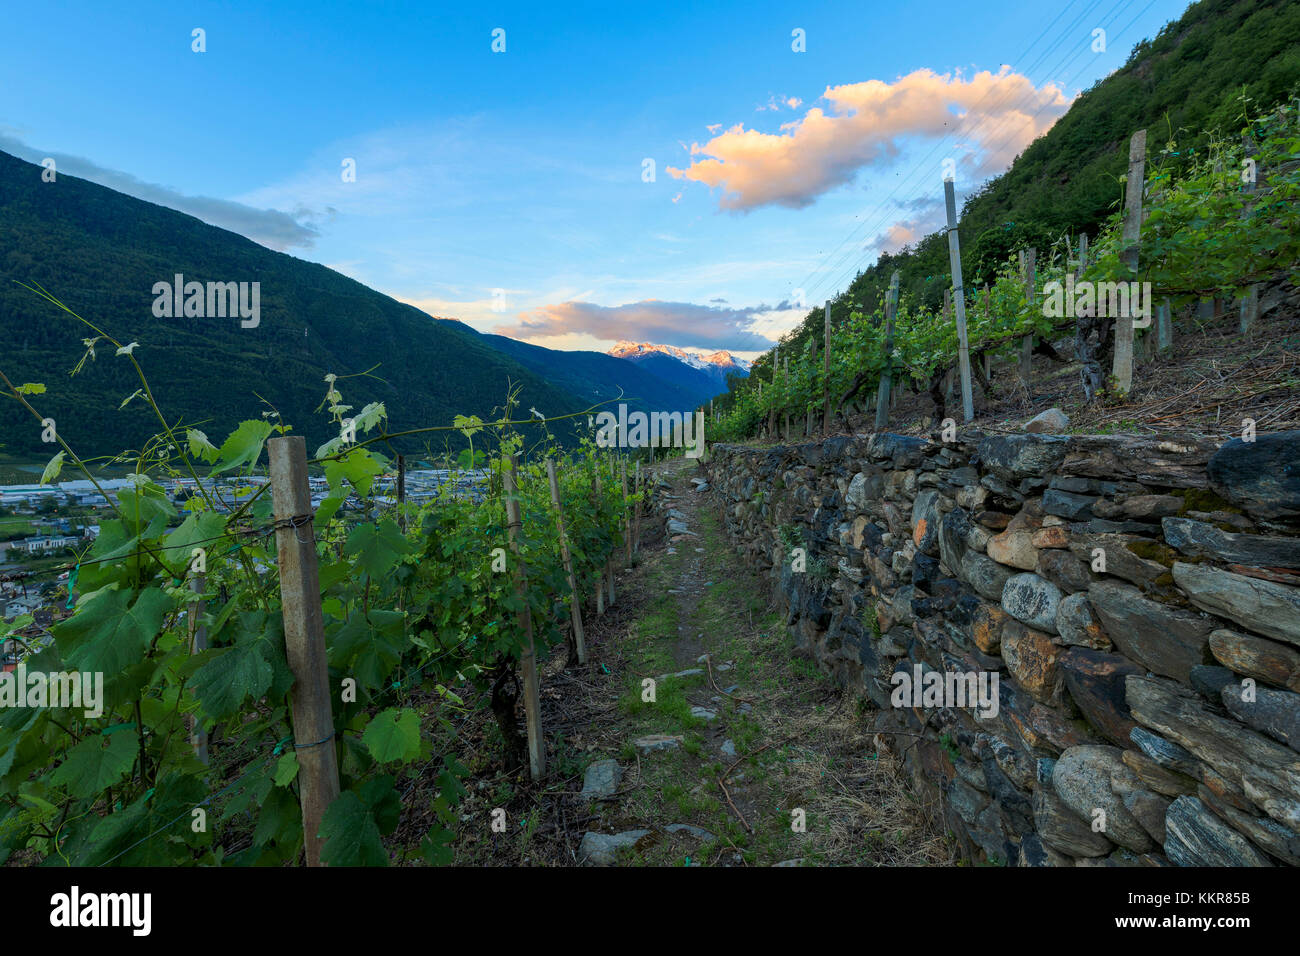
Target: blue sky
[(509, 189)]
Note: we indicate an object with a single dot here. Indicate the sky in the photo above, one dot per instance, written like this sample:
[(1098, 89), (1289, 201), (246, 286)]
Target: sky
[(573, 175)]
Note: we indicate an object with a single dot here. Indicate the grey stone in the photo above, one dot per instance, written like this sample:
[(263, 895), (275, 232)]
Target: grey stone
[(1262, 476), (1262, 606), (1051, 422), (1032, 600), (1162, 639), (601, 779), (984, 575), (1275, 712), (1209, 679), (1196, 837), (1164, 752), (601, 849), (698, 832), (1059, 827), (1013, 457), (703, 713), (1082, 779), (925, 522), (1066, 504), (1198, 539), (1076, 624), (657, 742), (728, 748)]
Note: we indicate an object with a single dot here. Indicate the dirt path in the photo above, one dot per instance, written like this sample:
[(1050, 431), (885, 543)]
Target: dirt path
[(738, 754)]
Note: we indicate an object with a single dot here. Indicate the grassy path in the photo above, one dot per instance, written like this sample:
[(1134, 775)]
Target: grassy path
[(767, 763)]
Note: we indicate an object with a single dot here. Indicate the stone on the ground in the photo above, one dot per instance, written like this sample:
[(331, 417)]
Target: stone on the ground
[(678, 527), (798, 861), (655, 742), (601, 849), (601, 779), (1051, 422), (698, 832), (728, 748), (703, 713)]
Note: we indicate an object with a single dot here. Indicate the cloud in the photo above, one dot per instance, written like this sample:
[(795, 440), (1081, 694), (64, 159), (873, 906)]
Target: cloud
[(271, 227), (683, 324), (774, 103), (928, 216), (994, 116)]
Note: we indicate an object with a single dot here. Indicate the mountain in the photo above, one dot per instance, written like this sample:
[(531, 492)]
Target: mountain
[(703, 375), (598, 377), (101, 252)]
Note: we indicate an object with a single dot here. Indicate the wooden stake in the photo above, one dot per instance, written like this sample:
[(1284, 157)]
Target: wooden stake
[(636, 513), (600, 574), (785, 374), (959, 300), (988, 360), (527, 657), (198, 643), (627, 514), (886, 380), (1028, 259), (575, 597), (1122, 369), (304, 637), (401, 492), (1250, 301), (826, 372)]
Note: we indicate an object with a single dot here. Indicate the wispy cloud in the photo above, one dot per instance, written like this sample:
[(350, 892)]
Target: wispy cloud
[(684, 324), (271, 227), (995, 115)]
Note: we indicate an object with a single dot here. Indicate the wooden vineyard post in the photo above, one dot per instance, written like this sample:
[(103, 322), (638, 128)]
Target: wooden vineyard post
[(607, 575), (948, 375), (575, 599), (600, 575), (627, 514), (527, 658), (808, 418), (1250, 301), (636, 514), (1122, 369), (886, 380), (401, 492), (988, 362), (1028, 262), (959, 300), (826, 372), (771, 412), (198, 643), (785, 375), (304, 637)]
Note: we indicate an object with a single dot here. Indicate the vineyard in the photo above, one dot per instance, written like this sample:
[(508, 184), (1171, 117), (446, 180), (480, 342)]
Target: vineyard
[(429, 612), (1214, 224)]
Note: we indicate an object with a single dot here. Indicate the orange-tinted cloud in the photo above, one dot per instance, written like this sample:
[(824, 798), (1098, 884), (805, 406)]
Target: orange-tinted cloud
[(994, 116), (651, 320)]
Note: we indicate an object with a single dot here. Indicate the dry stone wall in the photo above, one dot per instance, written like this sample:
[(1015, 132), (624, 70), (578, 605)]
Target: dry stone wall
[(1130, 608)]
